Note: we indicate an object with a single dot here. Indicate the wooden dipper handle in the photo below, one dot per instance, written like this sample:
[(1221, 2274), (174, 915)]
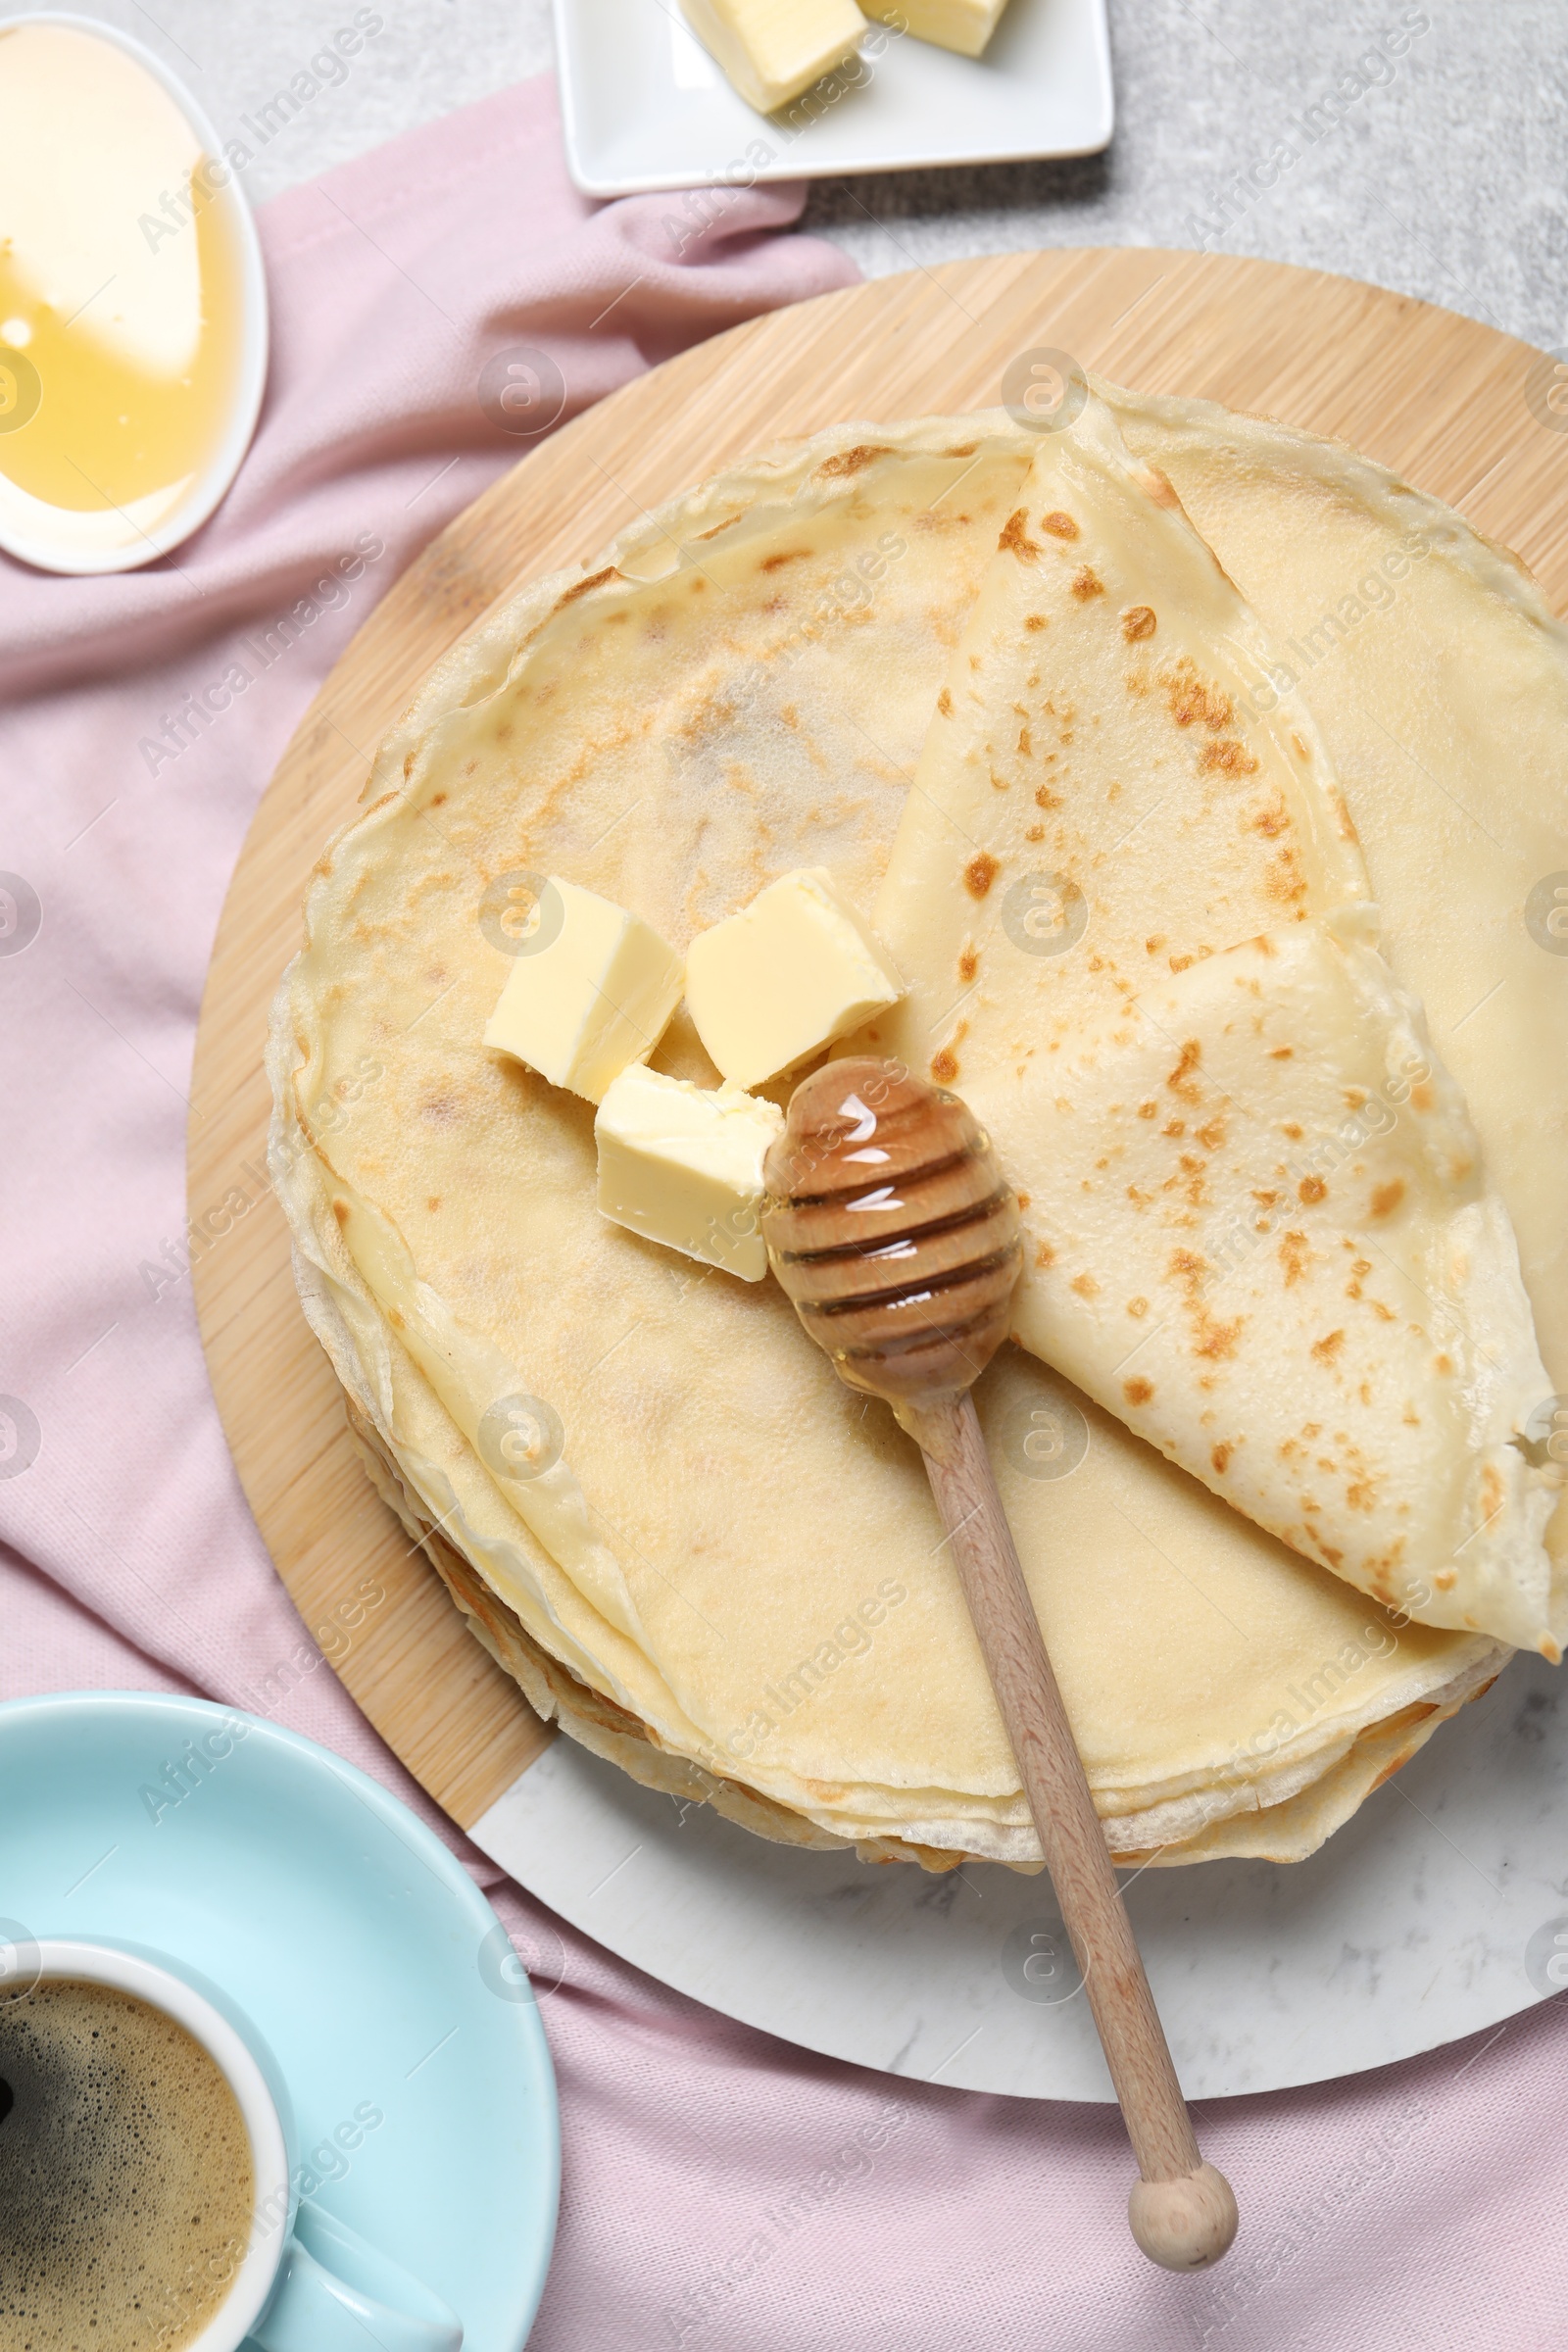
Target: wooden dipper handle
[(890, 1230)]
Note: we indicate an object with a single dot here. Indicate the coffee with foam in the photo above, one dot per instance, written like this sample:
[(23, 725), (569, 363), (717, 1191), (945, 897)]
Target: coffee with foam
[(127, 2178)]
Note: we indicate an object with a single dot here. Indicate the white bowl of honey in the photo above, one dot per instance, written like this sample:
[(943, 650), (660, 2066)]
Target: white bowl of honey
[(134, 322)]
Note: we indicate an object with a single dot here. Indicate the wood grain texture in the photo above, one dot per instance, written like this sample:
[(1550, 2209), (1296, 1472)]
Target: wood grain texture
[(1435, 396)]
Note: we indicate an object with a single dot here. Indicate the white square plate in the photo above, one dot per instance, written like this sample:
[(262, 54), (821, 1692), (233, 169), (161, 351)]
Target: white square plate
[(645, 107)]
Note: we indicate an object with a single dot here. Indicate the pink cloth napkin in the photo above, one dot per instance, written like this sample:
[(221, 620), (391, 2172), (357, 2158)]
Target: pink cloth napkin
[(721, 2189)]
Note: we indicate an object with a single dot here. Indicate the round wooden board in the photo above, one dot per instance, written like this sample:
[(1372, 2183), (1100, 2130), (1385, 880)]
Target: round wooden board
[(1436, 397)]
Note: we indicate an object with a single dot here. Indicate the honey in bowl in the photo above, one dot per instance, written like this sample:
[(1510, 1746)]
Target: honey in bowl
[(128, 287)]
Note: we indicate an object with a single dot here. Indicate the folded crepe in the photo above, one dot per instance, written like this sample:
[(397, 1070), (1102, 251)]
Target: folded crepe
[(725, 1573), (1132, 906)]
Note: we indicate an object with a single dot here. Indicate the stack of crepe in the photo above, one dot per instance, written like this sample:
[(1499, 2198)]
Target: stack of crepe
[(1181, 759)]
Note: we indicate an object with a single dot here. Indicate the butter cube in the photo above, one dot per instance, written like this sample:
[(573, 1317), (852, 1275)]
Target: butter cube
[(684, 1166), (772, 50), (591, 989), (962, 25), (771, 986)]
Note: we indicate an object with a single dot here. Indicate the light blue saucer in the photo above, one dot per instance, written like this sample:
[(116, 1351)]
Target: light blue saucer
[(374, 1968)]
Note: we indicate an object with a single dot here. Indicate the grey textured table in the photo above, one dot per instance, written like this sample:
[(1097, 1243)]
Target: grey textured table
[(1447, 179)]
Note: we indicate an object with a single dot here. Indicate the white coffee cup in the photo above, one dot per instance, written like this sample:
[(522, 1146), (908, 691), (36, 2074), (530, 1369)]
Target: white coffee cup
[(305, 2283)]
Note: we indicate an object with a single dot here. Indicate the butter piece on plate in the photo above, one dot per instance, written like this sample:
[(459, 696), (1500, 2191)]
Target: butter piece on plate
[(772, 50), (771, 986), (591, 989), (683, 1165), (962, 25)]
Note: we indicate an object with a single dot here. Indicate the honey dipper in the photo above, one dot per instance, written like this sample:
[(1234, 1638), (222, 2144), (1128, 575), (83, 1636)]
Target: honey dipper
[(890, 1227)]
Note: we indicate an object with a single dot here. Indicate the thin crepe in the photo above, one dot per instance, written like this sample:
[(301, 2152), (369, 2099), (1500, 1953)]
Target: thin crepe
[(741, 687), (1438, 676), (1258, 1226)]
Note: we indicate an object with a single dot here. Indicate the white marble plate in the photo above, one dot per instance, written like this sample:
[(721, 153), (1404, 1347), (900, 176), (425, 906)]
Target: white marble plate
[(1442, 1907), (644, 106)]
